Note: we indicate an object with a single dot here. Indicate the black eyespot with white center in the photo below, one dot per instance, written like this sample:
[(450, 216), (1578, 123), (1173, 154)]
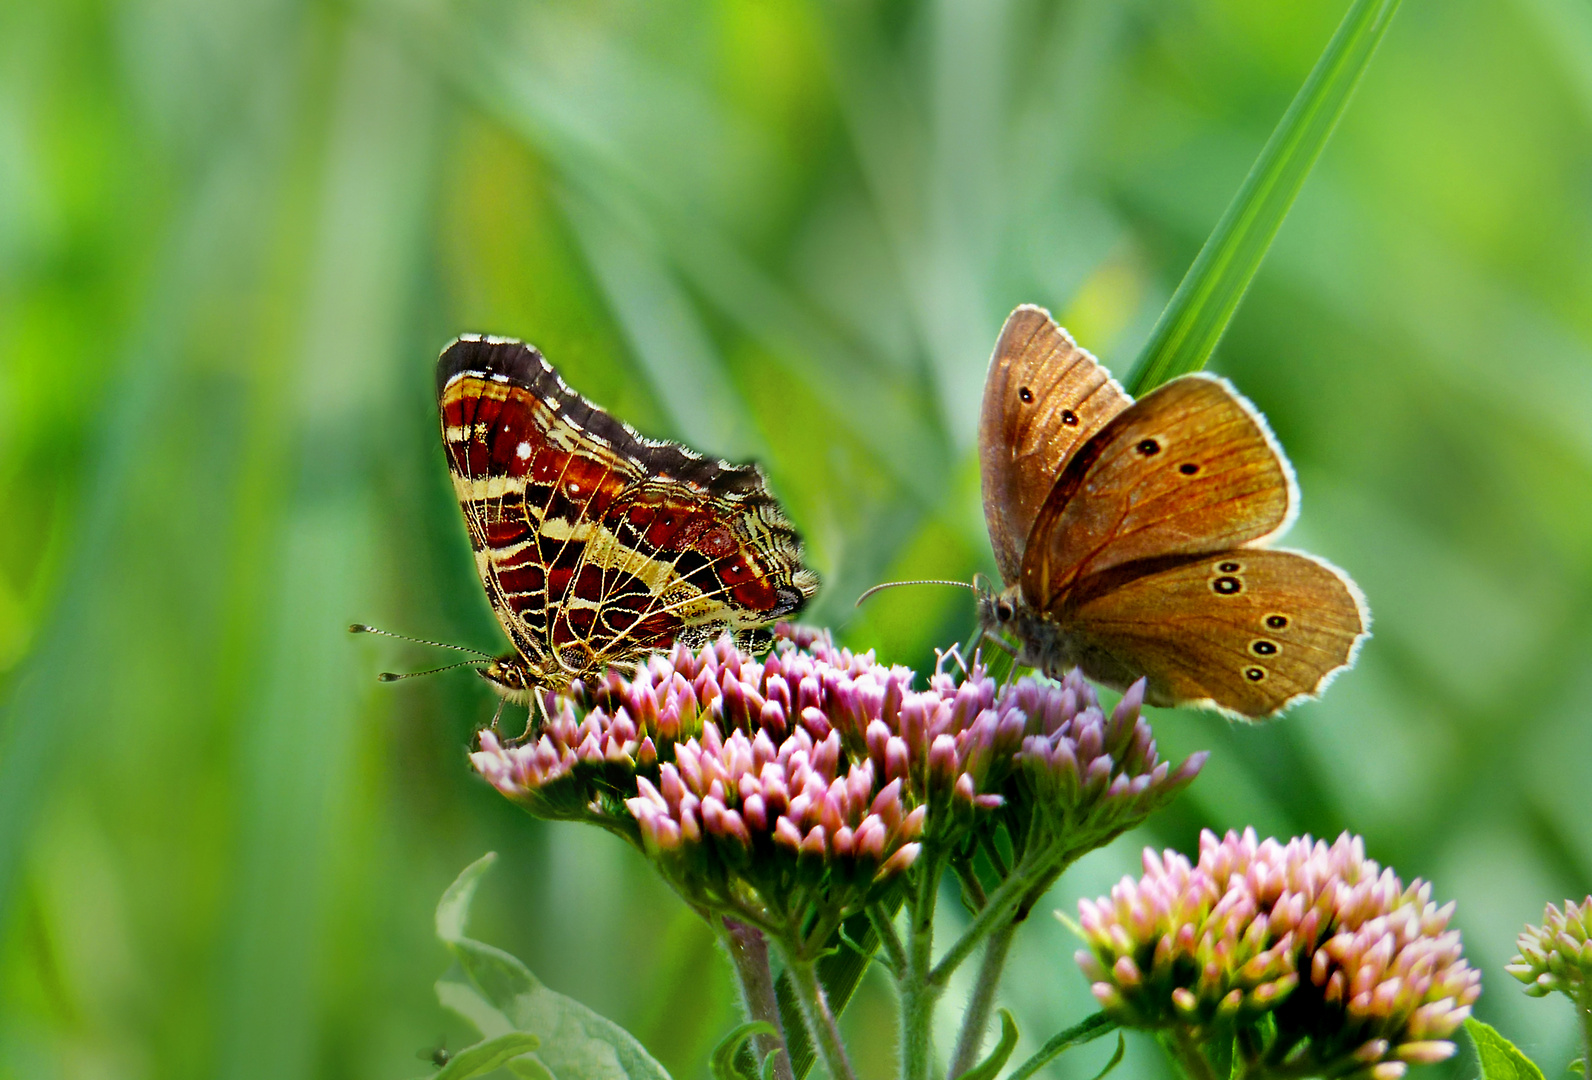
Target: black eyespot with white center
[(1230, 567), (1227, 586), (1026, 394), (1262, 647), (1069, 418), (1277, 622), (1255, 674), (1149, 448)]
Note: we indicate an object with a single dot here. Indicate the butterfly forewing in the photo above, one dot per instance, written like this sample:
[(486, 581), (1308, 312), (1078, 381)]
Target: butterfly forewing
[(1043, 397), (1247, 631), (595, 545), (1187, 469)]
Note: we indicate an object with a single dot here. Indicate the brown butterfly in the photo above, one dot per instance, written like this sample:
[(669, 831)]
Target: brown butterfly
[(1131, 535), (598, 546)]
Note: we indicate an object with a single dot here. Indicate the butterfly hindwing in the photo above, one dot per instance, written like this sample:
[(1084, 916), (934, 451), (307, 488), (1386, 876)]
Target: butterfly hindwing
[(597, 546), (1189, 468), (1247, 631), (1043, 397)]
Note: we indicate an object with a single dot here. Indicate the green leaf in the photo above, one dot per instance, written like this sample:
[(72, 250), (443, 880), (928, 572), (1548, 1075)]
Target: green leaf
[(498, 994), (1198, 313), (488, 1054), (1499, 1058), (1116, 1058), (1086, 1031), (722, 1063), (992, 1065)]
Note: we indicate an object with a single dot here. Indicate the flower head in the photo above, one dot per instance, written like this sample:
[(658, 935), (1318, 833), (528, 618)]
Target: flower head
[(1083, 777), (1360, 974), (817, 772), (1558, 954)]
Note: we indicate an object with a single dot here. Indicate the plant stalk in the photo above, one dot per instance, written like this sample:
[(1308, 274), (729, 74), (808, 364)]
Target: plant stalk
[(889, 941), (748, 950), (1186, 1052), (1583, 1010), (975, 1021), (917, 989), (820, 1019), (1003, 903)]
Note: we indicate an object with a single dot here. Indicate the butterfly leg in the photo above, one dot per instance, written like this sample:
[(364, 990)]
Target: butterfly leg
[(1002, 642), (538, 705)]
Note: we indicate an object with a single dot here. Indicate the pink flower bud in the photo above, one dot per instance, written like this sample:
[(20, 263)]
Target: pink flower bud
[(844, 841), (732, 825), (964, 791), (897, 761), (904, 857), (942, 761), (755, 811), (773, 718), (813, 843), (786, 833)]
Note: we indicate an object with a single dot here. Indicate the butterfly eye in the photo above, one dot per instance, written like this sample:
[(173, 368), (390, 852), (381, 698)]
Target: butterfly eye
[(1149, 448), (1004, 611), (1026, 394)]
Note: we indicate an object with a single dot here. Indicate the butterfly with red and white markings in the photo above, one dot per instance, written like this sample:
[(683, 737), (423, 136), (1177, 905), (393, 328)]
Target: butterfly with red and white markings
[(597, 546), (1130, 535)]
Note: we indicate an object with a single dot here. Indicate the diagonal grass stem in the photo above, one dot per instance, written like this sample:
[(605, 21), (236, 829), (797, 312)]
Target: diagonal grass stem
[(1198, 313)]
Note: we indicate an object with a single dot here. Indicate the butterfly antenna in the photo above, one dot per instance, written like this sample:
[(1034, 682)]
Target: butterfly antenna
[(923, 581), (394, 676), (361, 628)]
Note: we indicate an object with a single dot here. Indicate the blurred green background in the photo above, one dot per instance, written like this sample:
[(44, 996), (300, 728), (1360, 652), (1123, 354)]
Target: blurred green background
[(233, 237)]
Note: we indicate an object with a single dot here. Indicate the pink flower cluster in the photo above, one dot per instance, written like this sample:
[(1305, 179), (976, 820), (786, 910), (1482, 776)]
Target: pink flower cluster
[(1360, 974), (746, 792), (720, 764), (1093, 774)]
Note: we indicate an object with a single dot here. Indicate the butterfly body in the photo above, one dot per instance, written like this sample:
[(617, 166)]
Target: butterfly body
[(1144, 528), (598, 546)]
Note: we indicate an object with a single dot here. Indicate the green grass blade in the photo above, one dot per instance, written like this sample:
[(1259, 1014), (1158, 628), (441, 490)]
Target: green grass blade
[(1198, 313)]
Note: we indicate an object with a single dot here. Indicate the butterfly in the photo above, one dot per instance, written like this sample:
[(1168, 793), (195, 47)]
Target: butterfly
[(598, 546), (1131, 535)]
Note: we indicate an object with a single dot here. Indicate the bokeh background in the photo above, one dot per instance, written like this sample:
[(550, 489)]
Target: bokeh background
[(233, 237)]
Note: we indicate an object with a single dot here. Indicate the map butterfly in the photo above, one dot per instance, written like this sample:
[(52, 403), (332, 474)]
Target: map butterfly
[(598, 546)]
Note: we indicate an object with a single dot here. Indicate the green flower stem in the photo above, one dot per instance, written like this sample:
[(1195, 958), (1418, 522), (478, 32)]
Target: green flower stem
[(975, 1021), (998, 912), (889, 940), (820, 1019), (748, 950), (1186, 1052), (917, 989), (1583, 1009), (971, 886)]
